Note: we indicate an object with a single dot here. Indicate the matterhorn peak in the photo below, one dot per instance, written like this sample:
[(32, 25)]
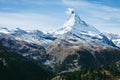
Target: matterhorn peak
[(70, 11), (73, 18), (75, 25)]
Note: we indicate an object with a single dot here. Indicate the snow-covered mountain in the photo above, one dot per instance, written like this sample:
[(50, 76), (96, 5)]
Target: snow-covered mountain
[(75, 25), (114, 37), (35, 36), (4, 30), (78, 30), (30, 36)]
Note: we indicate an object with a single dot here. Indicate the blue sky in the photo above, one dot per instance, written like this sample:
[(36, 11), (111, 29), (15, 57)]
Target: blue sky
[(50, 14)]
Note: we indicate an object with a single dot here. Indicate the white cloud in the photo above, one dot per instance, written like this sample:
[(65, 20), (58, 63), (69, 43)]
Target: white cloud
[(27, 21), (94, 9), (69, 10)]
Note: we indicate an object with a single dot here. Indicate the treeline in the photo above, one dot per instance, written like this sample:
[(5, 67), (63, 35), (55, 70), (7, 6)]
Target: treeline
[(15, 67), (108, 73)]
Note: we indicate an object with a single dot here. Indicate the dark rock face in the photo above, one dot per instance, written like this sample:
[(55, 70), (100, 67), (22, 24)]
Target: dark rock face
[(28, 50), (82, 55), (87, 59)]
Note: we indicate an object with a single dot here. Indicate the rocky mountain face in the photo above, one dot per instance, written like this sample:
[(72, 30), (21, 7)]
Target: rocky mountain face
[(114, 37), (82, 54), (35, 36), (29, 50)]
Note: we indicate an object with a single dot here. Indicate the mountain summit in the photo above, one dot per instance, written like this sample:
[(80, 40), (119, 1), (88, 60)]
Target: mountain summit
[(75, 25), (76, 29)]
